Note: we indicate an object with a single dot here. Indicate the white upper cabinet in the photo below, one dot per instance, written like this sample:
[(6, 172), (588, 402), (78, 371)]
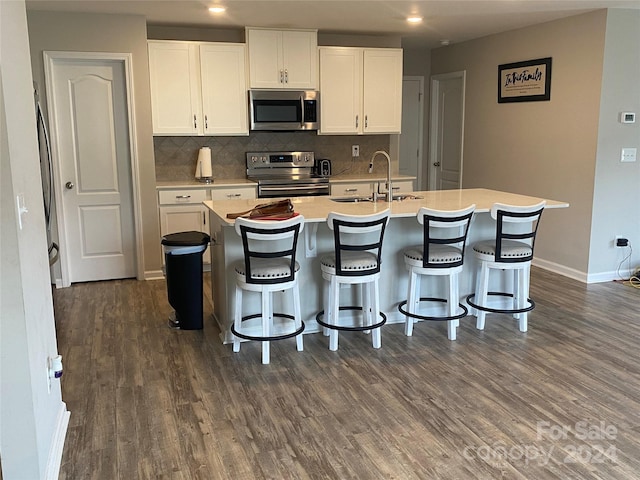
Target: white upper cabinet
[(282, 58), (360, 90), (224, 89), (198, 88), (174, 72)]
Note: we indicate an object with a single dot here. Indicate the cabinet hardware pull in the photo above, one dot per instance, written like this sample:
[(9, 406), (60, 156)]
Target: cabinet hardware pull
[(356, 121), (229, 195), (195, 124), (350, 190), (183, 196), (281, 76), (206, 122), (286, 76), (366, 121)]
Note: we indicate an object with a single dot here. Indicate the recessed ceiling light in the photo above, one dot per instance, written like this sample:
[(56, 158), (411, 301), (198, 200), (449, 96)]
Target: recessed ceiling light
[(414, 19), (217, 9)]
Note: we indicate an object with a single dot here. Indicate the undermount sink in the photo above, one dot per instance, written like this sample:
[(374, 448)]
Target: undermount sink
[(381, 198)]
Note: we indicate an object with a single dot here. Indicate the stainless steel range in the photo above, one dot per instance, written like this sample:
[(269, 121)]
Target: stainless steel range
[(285, 174)]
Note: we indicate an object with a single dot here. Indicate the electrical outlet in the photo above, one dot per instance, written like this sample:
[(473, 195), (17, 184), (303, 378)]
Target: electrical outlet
[(620, 241), (355, 150), (628, 155)]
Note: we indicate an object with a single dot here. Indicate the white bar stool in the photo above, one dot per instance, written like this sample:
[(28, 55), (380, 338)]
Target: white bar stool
[(441, 253), (269, 266), (512, 249), (356, 261)]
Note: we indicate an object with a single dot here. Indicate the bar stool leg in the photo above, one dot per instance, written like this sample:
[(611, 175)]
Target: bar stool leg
[(376, 340), (327, 301), (452, 301), (266, 325), (334, 309), (523, 288), (298, 316), (237, 321), (411, 294), (481, 294)]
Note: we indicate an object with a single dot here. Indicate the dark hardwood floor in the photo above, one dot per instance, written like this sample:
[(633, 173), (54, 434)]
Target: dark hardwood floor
[(559, 402)]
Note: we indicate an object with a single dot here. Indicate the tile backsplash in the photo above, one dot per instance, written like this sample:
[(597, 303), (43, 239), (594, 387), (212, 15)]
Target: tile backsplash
[(176, 157)]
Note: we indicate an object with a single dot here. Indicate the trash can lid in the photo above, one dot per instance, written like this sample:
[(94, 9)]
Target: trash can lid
[(185, 239)]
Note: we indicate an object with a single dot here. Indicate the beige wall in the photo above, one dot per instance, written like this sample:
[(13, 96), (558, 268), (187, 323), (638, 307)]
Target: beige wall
[(544, 149), (109, 33)]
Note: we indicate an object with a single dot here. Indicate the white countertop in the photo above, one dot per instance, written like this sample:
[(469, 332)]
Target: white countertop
[(316, 209)]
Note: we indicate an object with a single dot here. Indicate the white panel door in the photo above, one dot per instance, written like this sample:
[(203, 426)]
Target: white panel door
[(447, 131), (94, 158)]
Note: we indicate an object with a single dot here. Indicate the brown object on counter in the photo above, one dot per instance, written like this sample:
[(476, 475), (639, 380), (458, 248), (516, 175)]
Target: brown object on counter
[(279, 209)]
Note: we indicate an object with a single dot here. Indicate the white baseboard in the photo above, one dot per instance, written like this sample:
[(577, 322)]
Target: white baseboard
[(583, 277), (153, 275), (560, 269), (55, 454)]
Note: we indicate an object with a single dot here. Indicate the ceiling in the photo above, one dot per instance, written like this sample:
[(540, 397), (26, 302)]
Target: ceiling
[(451, 20)]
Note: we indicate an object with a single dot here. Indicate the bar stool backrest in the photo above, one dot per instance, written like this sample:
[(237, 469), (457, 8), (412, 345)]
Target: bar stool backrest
[(444, 227), (263, 239), (358, 233), (526, 220)]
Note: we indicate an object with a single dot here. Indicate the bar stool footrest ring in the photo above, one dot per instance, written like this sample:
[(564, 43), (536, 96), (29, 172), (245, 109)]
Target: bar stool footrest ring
[(463, 314), (350, 329), (528, 308), (272, 338)]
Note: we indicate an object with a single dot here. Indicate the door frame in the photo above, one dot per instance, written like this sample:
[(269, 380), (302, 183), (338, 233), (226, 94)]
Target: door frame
[(50, 59), (434, 119), (419, 173)]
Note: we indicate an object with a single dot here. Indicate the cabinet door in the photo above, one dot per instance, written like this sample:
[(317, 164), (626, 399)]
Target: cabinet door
[(174, 74), (184, 218), (224, 89), (265, 58), (300, 59), (382, 92), (340, 90)]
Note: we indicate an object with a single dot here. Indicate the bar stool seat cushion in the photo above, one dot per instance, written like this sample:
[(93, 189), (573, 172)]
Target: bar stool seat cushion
[(437, 254), (486, 251), (267, 268), (351, 261)]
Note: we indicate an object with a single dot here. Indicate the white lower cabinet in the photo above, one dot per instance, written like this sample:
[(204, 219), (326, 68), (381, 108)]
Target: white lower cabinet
[(183, 211)]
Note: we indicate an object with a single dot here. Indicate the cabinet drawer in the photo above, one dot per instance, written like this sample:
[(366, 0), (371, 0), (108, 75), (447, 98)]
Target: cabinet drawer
[(355, 189), (237, 193), (176, 197)]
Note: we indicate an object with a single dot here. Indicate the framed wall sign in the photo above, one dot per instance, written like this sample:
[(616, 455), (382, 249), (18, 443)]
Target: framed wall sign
[(528, 81)]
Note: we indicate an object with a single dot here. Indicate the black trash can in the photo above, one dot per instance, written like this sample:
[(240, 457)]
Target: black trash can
[(183, 266)]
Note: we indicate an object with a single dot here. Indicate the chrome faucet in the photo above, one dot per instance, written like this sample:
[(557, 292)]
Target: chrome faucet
[(389, 188)]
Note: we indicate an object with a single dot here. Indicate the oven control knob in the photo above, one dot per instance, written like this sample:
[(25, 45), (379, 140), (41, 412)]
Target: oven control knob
[(254, 159)]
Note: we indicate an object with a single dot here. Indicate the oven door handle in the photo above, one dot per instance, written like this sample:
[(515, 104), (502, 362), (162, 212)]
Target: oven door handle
[(292, 187)]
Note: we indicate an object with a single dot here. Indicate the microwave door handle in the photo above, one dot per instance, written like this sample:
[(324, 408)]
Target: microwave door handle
[(301, 111)]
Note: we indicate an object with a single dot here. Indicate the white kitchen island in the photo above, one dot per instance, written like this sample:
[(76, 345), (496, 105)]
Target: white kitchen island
[(316, 240)]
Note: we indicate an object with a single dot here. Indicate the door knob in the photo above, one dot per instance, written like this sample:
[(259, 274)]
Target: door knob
[(436, 164), (69, 185)]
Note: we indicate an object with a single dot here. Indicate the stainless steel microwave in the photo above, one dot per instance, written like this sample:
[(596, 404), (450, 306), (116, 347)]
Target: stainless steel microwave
[(284, 110)]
